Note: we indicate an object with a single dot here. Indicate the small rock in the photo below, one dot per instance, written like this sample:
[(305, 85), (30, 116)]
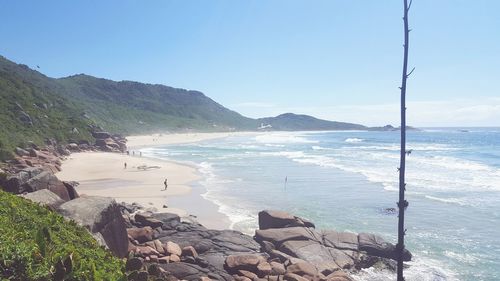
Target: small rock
[(172, 248), (263, 269), (277, 268), (303, 269), (145, 219), (133, 264), (294, 277), (142, 234), (164, 260), (142, 276), (175, 258), (243, 261), (189, 251), (248, 274)]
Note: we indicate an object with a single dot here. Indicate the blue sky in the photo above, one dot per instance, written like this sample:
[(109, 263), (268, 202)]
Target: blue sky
[(334, 59)]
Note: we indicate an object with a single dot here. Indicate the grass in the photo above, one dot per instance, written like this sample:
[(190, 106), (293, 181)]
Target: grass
[(39, 244)]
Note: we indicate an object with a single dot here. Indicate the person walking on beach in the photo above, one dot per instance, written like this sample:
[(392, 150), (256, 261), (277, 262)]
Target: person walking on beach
[(166, 184), (125, 165)]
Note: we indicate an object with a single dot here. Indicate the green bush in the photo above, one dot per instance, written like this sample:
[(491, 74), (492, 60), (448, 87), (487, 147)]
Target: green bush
[(38, 244)]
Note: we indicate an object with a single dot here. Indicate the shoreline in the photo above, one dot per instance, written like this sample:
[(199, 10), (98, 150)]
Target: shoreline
[(104, 174)]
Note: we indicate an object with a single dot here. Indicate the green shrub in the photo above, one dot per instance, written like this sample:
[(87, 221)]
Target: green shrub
[(38, 244)]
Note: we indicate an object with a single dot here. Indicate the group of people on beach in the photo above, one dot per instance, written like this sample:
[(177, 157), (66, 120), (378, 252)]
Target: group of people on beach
[(165, 183)]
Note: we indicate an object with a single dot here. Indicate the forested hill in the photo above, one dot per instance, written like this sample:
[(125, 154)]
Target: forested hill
[(132, 107), (36, 107), (296, 122)]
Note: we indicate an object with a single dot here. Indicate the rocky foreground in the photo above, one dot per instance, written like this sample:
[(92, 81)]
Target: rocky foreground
[(163, 246)]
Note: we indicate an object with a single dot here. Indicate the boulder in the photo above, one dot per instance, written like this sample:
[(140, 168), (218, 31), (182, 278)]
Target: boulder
[(328, 259), (141, 234), (340, 240), (304, 269), (189, 251), (278, 219), (25, 118), (277, 268), (21, 152), (338, 276), (146, 219), (172, 248), (133, 264), (101, 135), (33, 179), (71, 147), (185, 271), (174, 258), (146, 251), (99, 215), (294, 277), (70, 187), (248, 274), (279, 235), (44, 197), (376, 246), (246, 262)]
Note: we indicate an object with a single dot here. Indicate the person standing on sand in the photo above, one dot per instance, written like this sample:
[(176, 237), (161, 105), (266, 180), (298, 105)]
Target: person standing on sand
[(166, 184), (125, 165)]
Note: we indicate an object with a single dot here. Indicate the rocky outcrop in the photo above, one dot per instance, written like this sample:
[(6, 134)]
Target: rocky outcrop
[(36, 178), (376, 246), (279, 219), (108, 142), (289, 248), (102, 217), (45, 197), (291, 241)]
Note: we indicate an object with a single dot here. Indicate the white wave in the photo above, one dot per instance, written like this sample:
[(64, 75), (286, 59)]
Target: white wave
[(353, 140), (317, 147), (274, 145), (462, 257), (415, 147), (248, 146), (283, 138), (434, 173), (459, 201), (288, 154), (420, 270)]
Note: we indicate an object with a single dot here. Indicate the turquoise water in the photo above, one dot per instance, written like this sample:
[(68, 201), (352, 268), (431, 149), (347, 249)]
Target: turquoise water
[(345, 180)]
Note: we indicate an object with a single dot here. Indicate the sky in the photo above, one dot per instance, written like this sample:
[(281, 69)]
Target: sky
[(334, 59)]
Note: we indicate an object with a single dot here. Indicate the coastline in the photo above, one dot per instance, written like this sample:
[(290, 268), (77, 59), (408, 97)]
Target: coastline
[(104, 174)]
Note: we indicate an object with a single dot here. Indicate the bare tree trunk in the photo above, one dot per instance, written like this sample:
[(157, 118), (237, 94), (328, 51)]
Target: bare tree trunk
[(402, 204)]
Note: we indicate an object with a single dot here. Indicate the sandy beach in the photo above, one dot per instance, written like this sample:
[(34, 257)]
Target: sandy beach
[(135, 142), (104, 174)]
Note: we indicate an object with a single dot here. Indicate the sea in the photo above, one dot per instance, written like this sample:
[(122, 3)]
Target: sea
[(346, 180)]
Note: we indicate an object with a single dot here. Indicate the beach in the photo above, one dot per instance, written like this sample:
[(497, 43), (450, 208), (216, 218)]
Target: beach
[(142, 180)]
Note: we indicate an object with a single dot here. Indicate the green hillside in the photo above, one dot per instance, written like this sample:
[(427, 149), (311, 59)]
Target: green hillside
[(36, 108), (296, 122), (132, 107), (32, 109), (38, 244)]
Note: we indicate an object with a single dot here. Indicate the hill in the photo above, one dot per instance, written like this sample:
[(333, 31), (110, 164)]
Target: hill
[(132, 107), (33, 109), (295, 122), (37, 108)]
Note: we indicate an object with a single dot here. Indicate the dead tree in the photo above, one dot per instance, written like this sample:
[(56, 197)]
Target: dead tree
[(402, 204)]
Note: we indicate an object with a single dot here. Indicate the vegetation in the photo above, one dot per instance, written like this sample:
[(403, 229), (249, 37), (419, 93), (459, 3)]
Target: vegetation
[(32, 111), (38, 244), (36, 107), (291, 122)]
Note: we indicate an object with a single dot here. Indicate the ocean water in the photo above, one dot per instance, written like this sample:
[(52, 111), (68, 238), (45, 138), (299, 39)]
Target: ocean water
[(345, 181)]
